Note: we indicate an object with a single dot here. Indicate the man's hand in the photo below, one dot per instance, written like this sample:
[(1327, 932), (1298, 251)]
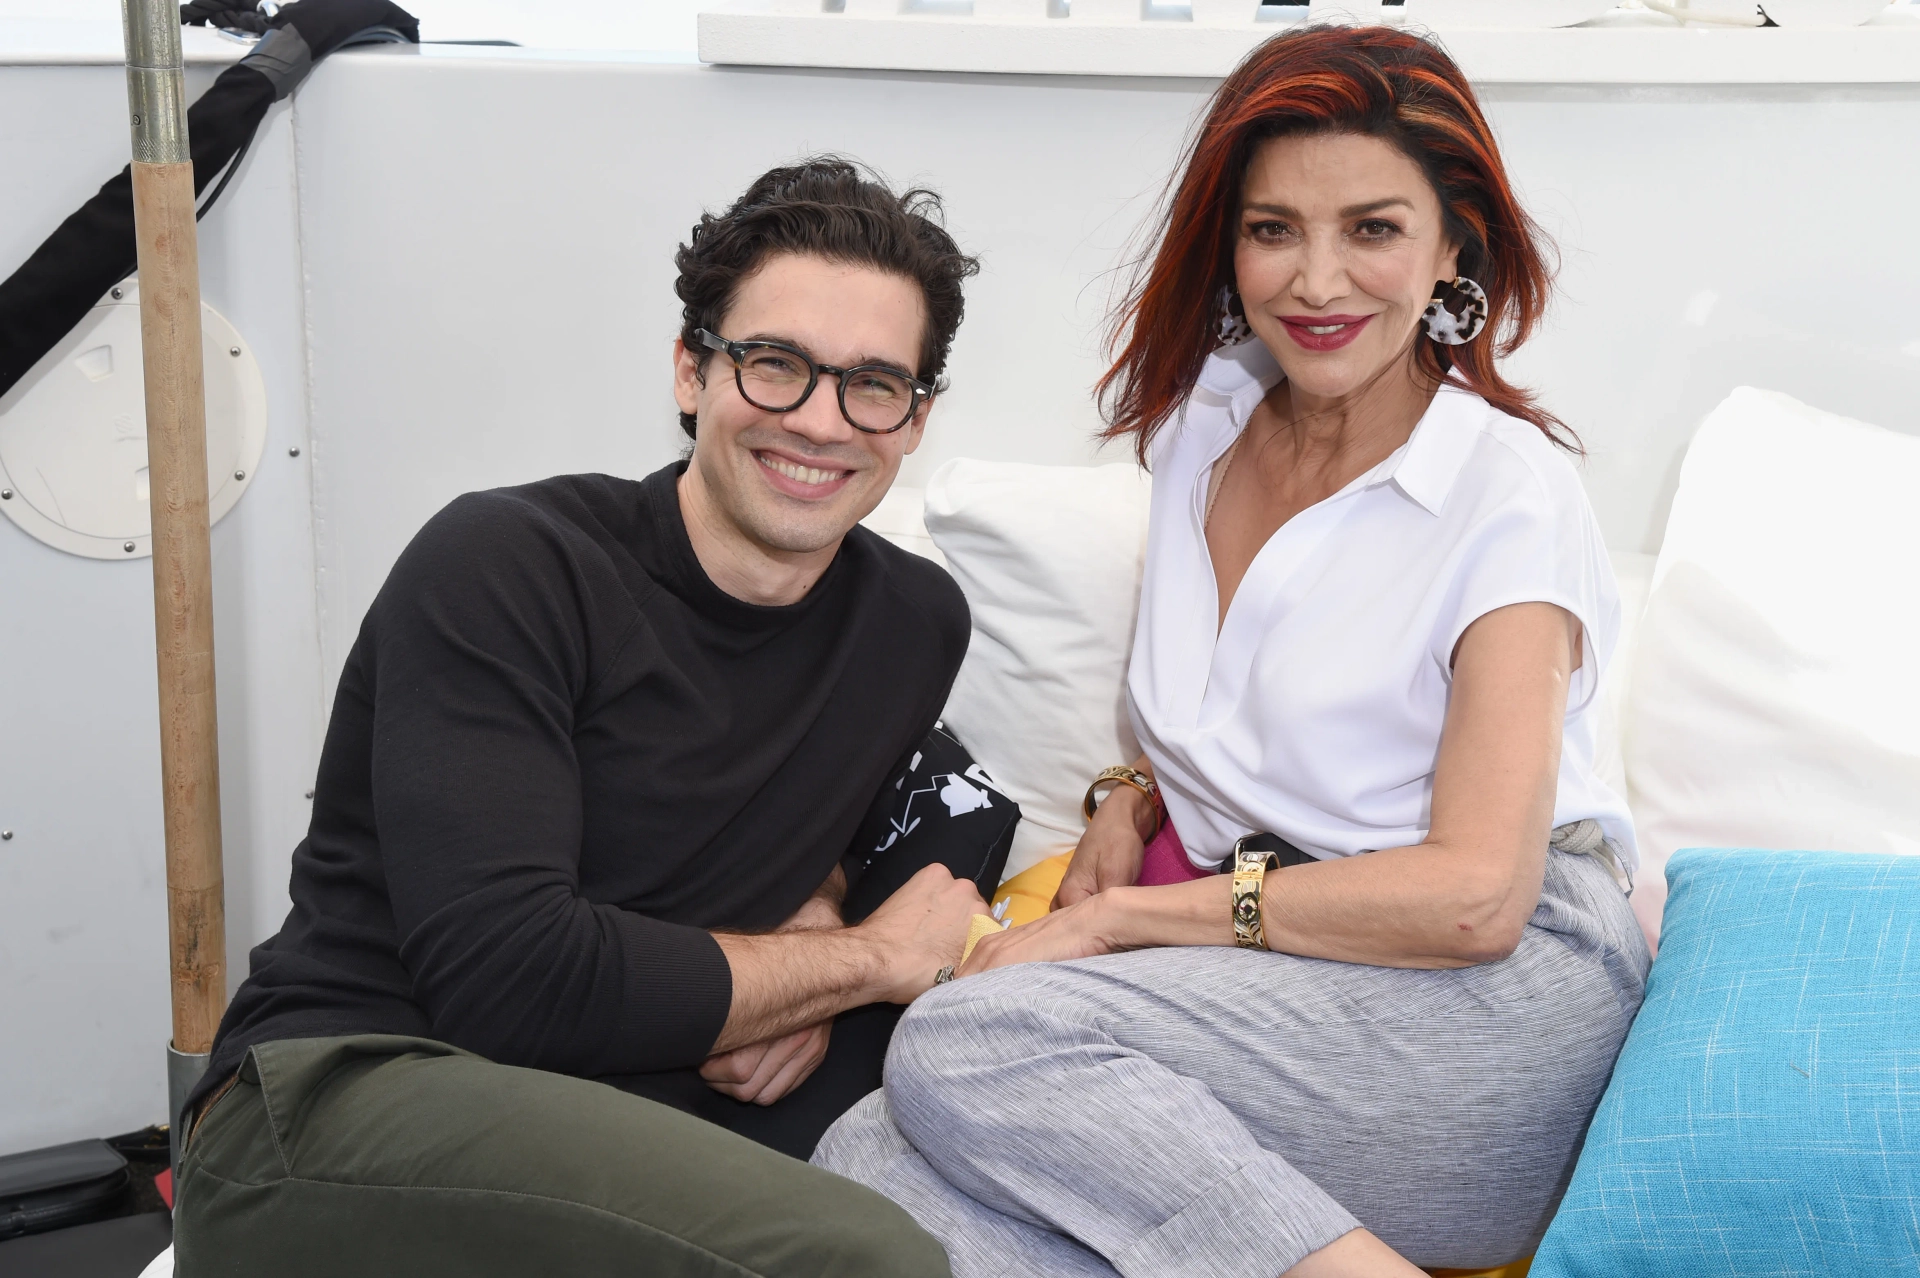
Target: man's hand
[(762, 1073), (921, 929), (786, 982)]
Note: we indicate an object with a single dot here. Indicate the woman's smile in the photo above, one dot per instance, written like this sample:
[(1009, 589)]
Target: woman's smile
[(1324, 332)]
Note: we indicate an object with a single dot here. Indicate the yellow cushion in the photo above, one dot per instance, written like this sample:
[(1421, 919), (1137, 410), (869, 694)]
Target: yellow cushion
[(1029, 894), (1518, 1269)]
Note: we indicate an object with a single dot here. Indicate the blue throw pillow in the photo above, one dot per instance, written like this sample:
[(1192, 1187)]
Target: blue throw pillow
[(1764, 1116)]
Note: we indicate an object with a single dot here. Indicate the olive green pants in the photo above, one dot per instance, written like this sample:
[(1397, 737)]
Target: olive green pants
[(378, 1155)]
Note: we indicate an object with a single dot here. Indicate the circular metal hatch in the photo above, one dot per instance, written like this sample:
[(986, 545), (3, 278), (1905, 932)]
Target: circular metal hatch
[(73, 433)]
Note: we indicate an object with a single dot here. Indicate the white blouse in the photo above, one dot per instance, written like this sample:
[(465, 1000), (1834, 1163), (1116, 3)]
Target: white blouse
[(1315, 712)]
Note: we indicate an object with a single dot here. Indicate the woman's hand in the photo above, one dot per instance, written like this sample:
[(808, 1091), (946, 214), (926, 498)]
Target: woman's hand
[(1110, 852), (1096, 925)]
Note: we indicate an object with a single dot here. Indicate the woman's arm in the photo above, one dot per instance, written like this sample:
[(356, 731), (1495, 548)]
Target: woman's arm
[(1110, 852), (1462, 897)]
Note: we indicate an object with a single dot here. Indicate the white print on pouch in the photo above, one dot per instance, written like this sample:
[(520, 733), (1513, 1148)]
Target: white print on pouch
[(959, 797)]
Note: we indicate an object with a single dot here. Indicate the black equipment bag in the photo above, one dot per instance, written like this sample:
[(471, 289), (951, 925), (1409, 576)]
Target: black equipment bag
[(65, 1185)]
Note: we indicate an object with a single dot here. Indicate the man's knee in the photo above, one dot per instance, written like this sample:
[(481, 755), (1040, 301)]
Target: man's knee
[(872, 1236)]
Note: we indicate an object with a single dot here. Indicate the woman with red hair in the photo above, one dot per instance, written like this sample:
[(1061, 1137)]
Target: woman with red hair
[(1339, 970)]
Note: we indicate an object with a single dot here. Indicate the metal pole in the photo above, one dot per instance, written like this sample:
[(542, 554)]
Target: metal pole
[(169, 264)]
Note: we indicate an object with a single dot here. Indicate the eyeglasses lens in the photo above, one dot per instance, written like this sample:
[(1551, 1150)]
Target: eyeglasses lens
[(877, 399), (773, 379), (776, 380)]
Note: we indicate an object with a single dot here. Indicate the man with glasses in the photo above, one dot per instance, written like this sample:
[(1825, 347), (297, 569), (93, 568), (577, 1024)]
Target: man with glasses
[(596, 761)]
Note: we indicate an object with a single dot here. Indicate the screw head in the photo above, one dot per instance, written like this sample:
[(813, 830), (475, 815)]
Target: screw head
[(234, 351), (6, 494), (118, 292), (127, 546), (294, 451), (239, 474), (309, 794), (6, 836)]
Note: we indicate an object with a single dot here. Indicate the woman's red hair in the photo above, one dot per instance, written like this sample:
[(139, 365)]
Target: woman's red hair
[(1363, 80)]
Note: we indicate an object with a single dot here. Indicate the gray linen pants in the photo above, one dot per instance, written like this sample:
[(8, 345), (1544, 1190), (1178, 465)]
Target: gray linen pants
[(1223, 1113)]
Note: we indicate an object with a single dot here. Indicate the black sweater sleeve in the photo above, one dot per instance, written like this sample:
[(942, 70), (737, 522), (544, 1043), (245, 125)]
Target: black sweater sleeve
[(485, 639)]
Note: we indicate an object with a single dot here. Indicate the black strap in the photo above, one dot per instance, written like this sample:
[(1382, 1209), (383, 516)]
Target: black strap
[(92, 250), (1287, 854)]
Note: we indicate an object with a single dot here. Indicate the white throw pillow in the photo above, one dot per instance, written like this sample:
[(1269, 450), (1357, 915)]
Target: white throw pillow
[(901, 519), (1633, 574), (1774, 698), (1050, 559)]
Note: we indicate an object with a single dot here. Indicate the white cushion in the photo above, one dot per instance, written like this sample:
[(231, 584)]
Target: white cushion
[(161, 1266), (1050, 560), (1633, 572), (901, 519), (1774, 701)]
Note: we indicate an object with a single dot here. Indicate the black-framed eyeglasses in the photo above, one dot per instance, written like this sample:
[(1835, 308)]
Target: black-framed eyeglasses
[(778, 378)]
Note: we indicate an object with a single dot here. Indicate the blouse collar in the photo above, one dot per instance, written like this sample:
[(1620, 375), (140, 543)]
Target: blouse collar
[(1424, 468), (1432, 458)]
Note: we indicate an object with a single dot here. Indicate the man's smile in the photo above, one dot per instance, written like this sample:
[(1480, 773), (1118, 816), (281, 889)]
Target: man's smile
[(803, 481)]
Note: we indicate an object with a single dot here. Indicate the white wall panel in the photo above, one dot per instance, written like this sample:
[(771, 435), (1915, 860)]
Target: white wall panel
[(1714, 238), (83, 951), (480, 293), (492, 286)]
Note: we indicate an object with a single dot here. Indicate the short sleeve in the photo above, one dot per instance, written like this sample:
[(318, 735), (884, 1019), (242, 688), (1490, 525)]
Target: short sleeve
[(1534, 539)]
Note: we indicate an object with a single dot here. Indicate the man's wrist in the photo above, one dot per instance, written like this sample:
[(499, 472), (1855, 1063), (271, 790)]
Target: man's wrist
[(878, 966), (786, 980)]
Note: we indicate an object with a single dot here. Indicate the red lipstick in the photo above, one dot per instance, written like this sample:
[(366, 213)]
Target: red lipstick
[(1349, 327)]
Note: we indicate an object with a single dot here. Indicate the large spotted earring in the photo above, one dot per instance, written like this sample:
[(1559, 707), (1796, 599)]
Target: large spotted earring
[(1457, 312), (1231, 328)]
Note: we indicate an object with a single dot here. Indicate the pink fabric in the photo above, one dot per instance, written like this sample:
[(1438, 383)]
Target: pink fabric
[(1166, 860)]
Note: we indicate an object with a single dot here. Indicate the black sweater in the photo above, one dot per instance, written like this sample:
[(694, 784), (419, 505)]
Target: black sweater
[(559, 753)]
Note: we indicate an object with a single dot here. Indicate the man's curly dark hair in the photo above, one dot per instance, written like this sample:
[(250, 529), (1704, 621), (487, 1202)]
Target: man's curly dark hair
[(830, 207)]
